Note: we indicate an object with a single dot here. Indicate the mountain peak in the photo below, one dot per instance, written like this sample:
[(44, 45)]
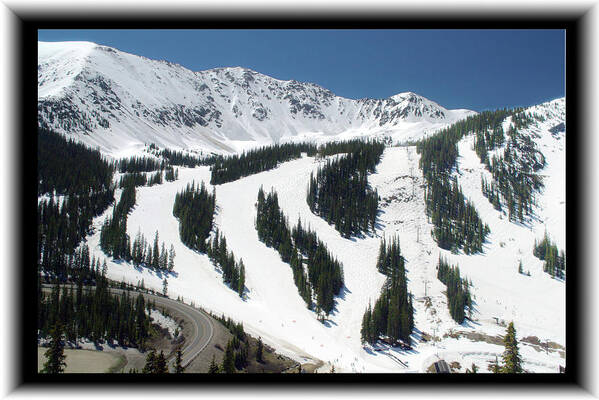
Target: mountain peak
[(119, 99)]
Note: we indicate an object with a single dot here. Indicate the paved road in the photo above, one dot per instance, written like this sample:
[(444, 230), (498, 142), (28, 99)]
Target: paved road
[(199, 321)]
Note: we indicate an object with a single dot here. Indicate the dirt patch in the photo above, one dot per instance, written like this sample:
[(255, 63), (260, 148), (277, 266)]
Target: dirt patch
[(476, 337), (85, 361), (455, 366), (537, 342), (272, 362), (539, 346), (311, 368)]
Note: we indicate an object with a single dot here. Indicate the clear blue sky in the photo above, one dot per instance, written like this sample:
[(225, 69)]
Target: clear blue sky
[(474, 69)]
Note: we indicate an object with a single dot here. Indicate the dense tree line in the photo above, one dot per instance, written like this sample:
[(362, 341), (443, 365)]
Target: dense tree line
[(236, 328), (555, 260), (79, 266), (340, 194), (257, 160), (95, 314), (233, 271), (155, 179), (514, 172), (143, 179), (155, 363), (393, 312), (438, 153), (348, 146), (194, 208), (85, 193), (237, 351), (114, 240), (458, 293), (60, 168), (171, 174), (299, 246), (134, 178), (185, 159), (152, 255), (457, 224), (140, 164)]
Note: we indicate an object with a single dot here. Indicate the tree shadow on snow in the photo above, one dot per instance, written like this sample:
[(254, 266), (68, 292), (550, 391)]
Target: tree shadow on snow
[(328, 323), (344, 292)]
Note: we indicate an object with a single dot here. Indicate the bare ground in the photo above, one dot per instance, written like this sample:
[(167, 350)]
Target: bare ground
[(85, 361)]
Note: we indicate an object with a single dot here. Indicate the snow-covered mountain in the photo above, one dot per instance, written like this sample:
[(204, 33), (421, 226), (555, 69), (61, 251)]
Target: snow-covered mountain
[(274, 310), (119, 102)]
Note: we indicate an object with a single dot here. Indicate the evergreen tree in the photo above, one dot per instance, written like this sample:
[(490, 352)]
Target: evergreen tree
[(241, 285), (55, 358), (392, 314), (458, 293), (259, 351), (95, 314), (150, 366), (339, 192), (220, 255), (555, 261), (228, 366), (161, 367), (156, 253), (171, 258), (213, 368), (324, 276), (194, 208), (472, 370), (256, 160), (86, 193), (520, 270), (512, 361), (495, 368)]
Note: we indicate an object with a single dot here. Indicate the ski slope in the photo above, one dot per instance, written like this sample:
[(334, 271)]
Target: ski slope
[(273, 309)]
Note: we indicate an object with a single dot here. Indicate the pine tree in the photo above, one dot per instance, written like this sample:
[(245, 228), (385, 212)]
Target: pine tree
[(495, 368), (178, 360), (228, 366), (150, 366), (171, 258), (55, 358), (161, 367), (259, 350), (164, 287), (156, 253), (512, 361), (520, 270), (472, 370), (213, 368), (163, 258), (241, 285)]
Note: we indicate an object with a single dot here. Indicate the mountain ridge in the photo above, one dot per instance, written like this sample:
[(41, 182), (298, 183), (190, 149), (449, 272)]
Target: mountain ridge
[(119, 101)]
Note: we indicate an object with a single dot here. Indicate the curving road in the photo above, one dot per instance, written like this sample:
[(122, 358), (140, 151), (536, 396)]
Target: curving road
[(200, 322)]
